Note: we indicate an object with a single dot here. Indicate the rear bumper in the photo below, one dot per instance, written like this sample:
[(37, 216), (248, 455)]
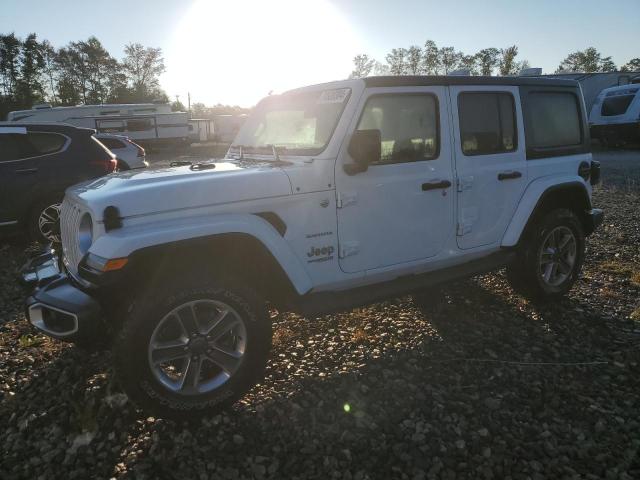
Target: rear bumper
[(630, 131), (593, 218), (57, 306)]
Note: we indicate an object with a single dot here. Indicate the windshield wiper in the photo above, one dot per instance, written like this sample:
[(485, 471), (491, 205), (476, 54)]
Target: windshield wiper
[(274, 151)]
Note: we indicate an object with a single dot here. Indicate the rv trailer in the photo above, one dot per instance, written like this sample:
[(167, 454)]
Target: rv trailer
[(145, 123)]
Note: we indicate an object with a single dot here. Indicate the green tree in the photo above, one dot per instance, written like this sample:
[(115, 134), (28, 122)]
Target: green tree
[(362, 66), (470, 62), (449, 59), (507, 64), (586, 61), (632, 65), (431, 58), (49, 72), (9, 63), (487, 60), (397, 61), (414, 64), (143, 67), (29, 90)]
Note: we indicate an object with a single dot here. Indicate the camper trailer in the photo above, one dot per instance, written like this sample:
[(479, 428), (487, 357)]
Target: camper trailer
[(201, 129), (145, 123)]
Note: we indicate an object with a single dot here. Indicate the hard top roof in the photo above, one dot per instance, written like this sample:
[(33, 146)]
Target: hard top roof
[(420, 80)]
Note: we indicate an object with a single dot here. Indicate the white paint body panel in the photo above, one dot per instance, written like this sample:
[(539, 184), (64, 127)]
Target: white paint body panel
[(390, 229)]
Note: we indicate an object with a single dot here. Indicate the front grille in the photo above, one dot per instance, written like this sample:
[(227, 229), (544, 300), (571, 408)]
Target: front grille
[(70, 215)]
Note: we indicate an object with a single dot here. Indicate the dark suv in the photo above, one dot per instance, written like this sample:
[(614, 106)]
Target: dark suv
[(37, 163)]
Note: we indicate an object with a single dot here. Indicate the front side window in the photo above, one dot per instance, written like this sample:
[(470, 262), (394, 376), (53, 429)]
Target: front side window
[(408, 126), (553, 120), (294, 123), (487, 123)]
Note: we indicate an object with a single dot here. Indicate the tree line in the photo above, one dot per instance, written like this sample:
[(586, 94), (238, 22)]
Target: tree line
[(433, 60), (82, 72)]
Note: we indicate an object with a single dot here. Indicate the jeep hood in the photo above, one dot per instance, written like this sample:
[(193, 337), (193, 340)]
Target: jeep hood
[(155, 190)]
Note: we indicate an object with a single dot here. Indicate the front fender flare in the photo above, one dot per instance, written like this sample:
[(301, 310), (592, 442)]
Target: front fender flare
[(123, 242), (532, 197)]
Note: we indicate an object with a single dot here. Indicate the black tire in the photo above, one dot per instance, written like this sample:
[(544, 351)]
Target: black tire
[(122, 166), (132, 357), (527, 275), (33, 219)]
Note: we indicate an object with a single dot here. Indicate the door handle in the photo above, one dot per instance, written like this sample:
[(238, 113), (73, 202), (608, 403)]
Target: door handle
[(26, 171), (509, 175), (436, 185)]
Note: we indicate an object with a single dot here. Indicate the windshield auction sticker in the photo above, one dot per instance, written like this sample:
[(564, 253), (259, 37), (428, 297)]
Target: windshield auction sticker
[(334, 96)]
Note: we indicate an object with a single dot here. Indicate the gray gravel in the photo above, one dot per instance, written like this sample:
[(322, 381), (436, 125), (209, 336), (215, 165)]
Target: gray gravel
[(485, 385)]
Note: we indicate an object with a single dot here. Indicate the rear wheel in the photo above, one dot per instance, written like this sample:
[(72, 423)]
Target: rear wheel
[(193, 348), (550, 258)]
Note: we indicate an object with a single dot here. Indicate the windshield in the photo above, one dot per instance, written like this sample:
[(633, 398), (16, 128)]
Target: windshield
[(295, 123)]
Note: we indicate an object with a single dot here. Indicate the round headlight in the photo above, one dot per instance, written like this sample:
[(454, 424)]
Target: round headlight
[(85, 233)]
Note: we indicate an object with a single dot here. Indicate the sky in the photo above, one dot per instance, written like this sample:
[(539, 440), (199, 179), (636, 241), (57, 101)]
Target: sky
[(237, 51)]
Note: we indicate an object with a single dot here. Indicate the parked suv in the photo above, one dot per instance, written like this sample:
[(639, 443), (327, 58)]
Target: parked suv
[(37, 163), (332, 196), (128, 153)]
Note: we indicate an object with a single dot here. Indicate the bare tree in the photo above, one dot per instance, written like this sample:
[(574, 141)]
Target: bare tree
[(362, 66)]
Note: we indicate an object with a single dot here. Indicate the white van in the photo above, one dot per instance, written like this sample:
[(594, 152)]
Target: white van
[(145, 123), (615, 115)]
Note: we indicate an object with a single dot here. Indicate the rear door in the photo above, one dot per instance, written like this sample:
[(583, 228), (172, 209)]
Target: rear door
[(29, 169), (490, 161)]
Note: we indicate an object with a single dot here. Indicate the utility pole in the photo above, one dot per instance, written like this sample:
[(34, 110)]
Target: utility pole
[(189, 103)]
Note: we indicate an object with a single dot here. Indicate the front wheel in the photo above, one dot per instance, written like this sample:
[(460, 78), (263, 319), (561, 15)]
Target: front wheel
[(550, 259), (193, 348)]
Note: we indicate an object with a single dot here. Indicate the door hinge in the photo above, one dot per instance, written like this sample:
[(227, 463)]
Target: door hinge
[(347, 249), (464, 183), (345, 199), (464, 228)]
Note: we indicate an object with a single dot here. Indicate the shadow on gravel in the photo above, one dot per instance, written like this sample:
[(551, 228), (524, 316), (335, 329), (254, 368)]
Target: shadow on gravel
[(374, 393)]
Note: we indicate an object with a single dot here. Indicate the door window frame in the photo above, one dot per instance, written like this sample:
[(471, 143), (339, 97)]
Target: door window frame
[(412, 94), (62, 149), (514, 111)]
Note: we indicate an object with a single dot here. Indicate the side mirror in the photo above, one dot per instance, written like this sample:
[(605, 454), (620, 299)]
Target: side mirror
[(364, 148)]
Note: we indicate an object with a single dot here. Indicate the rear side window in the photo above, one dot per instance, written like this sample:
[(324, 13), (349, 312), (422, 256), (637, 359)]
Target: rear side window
[(554, 120), (408, 126), (487, 123), (111, 143), (33, 144), (617, 103), (44, 143)]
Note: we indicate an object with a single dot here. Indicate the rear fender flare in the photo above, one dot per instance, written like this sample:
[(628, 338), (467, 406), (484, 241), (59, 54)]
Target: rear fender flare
[(533, 198)]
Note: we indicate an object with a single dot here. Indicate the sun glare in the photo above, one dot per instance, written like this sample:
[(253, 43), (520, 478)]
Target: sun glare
[(236, 52)]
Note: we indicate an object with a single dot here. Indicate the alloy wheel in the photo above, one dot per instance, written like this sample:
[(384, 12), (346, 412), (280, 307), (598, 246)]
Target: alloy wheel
[(197, 347), (557, 257)]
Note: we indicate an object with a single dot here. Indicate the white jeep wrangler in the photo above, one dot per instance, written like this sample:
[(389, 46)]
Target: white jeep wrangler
[(332, 196)]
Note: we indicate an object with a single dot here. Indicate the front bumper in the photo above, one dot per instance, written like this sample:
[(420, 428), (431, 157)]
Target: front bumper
[(593, 218), (57, 306)]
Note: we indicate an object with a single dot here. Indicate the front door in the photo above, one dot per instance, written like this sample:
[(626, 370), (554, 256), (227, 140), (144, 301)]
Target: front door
[(490, 161), (401, 209)]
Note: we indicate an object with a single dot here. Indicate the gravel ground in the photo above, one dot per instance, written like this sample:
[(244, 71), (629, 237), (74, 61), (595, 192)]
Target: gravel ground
[(485, 386)]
